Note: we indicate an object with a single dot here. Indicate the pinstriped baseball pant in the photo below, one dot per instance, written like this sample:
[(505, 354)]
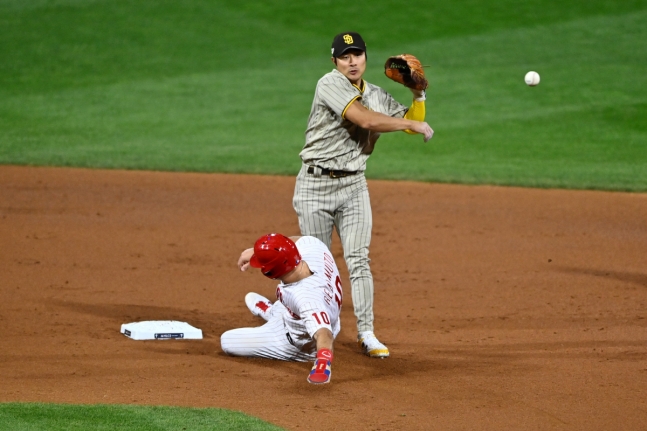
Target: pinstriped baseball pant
[(323, 203), (267, 341)]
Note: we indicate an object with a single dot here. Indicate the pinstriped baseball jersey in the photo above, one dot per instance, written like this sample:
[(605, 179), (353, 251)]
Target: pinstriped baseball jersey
[(314, 302), (302, 309), (332, 141)]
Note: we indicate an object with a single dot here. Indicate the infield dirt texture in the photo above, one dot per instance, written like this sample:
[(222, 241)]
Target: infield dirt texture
[(504, 308)]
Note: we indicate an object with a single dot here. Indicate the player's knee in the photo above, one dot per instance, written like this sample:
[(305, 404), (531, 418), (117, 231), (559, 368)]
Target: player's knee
[(227, 343), (357, 256), (359, 266)]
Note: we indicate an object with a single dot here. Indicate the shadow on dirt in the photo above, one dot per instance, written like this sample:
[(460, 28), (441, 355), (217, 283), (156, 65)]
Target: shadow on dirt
[(637, 278)]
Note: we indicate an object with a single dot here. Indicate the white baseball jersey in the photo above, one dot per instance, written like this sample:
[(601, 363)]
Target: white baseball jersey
[(301, 310), (314, 302)]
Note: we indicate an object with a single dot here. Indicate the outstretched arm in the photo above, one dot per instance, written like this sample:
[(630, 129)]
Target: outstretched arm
[(324, 339), (378, 122), (322, 369)]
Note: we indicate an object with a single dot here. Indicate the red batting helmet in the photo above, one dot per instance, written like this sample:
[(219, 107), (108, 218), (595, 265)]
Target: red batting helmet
[(275, 255)]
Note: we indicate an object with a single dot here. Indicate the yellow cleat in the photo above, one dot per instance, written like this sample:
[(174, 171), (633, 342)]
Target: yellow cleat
[(371, 345)]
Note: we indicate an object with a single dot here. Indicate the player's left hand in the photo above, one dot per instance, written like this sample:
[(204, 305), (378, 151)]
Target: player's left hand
[(243, 260), (420, 95), (322, 369), (407, 70)]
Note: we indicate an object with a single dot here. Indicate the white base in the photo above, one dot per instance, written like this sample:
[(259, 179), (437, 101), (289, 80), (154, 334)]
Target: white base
[(160, 330)]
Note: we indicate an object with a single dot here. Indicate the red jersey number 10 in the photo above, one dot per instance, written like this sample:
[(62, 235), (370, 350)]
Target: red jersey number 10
[(321, 316)]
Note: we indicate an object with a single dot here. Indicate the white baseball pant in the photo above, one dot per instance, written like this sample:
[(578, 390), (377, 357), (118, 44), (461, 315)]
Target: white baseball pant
[(267, 341)]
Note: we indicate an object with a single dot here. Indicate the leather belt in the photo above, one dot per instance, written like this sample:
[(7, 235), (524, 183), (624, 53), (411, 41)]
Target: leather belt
[(331, 172)]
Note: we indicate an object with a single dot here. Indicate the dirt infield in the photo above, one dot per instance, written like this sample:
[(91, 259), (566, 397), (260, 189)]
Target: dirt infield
[(504, 308)]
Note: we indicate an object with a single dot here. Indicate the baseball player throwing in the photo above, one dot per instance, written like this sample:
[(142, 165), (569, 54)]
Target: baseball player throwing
[(347, 117), (304, 321)]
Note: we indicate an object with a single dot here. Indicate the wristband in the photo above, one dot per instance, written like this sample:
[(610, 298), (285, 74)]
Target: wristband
[(321, 370), (325, 354)]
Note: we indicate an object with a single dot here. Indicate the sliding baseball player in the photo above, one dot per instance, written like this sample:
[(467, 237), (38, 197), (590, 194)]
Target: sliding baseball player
[(304, 321)]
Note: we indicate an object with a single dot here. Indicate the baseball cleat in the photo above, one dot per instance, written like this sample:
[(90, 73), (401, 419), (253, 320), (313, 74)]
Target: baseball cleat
[(258, 305), (371, 345)]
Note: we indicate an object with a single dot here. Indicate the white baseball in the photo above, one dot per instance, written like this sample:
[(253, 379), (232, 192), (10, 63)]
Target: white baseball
[(532, 78)]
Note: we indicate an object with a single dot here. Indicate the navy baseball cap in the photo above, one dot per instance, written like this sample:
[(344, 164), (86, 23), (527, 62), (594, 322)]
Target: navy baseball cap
[(345, 41)]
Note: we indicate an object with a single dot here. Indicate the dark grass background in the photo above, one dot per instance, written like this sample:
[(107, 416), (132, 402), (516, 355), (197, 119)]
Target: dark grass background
[(219, 86)]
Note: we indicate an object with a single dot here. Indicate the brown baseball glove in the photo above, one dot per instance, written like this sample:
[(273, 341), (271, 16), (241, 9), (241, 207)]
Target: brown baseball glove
[(407, 70)]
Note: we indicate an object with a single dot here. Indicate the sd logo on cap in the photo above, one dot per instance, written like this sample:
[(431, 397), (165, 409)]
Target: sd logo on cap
[(345, 41)]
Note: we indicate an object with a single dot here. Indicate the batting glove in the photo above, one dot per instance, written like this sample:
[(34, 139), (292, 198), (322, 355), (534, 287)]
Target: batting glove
[(321, 371)]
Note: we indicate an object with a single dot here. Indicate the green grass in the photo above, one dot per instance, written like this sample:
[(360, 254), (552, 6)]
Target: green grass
[(55, 417), (584, 126), (219, 86)]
